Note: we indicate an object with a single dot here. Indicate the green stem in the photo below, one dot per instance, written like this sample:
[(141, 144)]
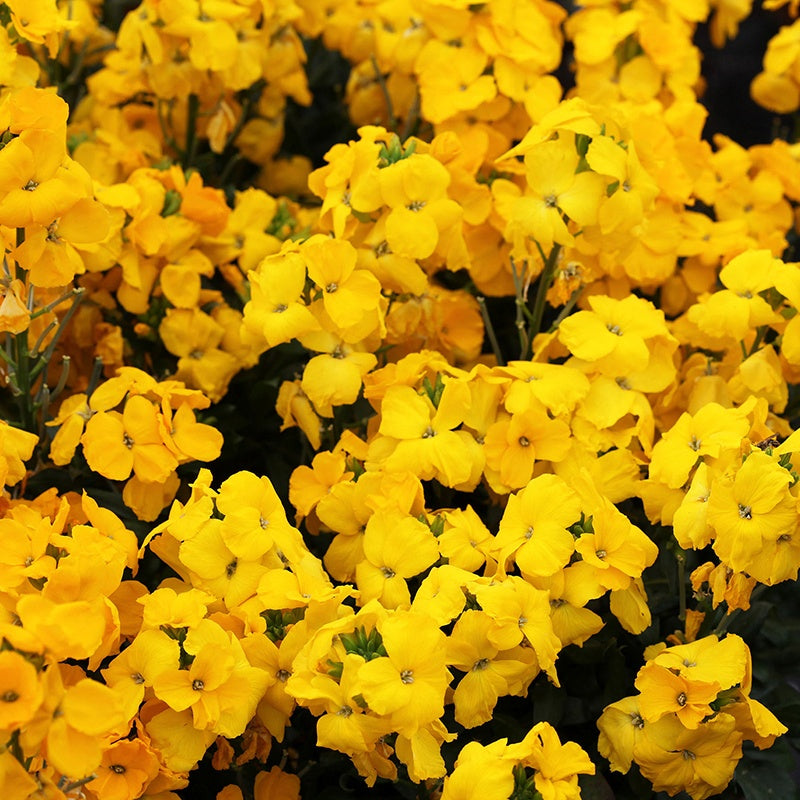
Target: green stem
[(50, 306), (567, 310), (231, 164), (165, 123), (191, 131), (385, 91), (49, 350), (725, 622), (412, 120), (22, 382), (545, 279), (760, 332), (487, 324), (521, 308)]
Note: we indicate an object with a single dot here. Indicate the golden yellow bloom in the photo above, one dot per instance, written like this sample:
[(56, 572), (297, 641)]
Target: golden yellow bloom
[(750, 510), (20, 690), (700, 761), (408, 685), (663, 692), (533, 529)]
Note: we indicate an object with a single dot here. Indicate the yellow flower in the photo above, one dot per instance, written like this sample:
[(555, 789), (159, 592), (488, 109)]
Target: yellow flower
[(533, 529), (275, 311), (555, 190), (276, 785), (86, 713), (481, 773), (452, 79), (126, 769), (521, 613), (415, 189), (613, 335), (36, 186), (150, 654), (51, 251), (396, 547), (252, 512), (485, 680), (512, 446), (465, 540), (557, 765), (344, 725), (709, 433), (700, 761), (708, 660), (751, 509), (14, 312), (408, 684), (621, 728), (663, 692), (221, 687), (20, 690), (417, 436), (617, 549), (117, 444), (347, 292), (16, 446)]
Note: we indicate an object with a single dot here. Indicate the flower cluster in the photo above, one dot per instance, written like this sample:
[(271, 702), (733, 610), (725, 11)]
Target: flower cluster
[(532, 345), (686, 726)]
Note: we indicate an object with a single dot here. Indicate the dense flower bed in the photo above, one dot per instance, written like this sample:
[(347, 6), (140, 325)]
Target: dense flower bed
[(459, 463)]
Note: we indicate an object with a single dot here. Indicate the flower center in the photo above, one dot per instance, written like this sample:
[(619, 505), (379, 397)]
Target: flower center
[(118, 768), (407, 676), (681, 698), (9, 697), (524, 441), (198, 685), (745, 512)]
